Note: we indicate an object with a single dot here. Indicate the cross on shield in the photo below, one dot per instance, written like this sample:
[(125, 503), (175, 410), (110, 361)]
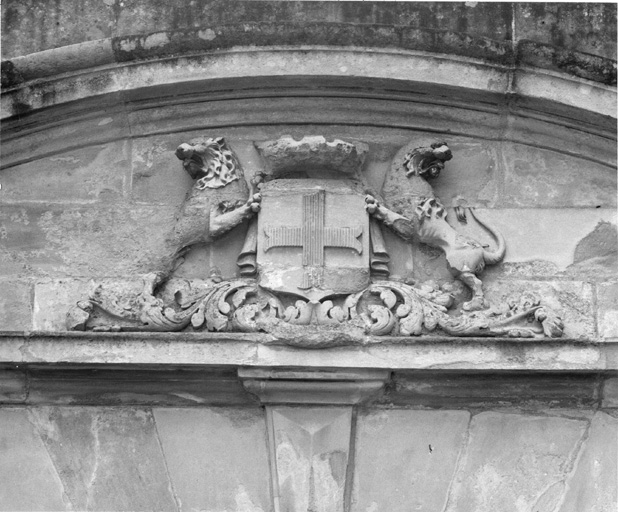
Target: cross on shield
[(313, 238)]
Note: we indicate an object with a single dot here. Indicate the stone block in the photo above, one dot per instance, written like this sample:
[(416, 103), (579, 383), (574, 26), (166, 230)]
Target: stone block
[(515, 462), (13, 388), (569, 25), (471, 178), (106, 386), (549, 241), (85, 240), (607, 310), (610, 393), (91, 173), (158, 176), (217, 458), (15, 305), (107, 458), (51, 132), (486, 390), (52, 301), (312, 448), (64, 23), (29, 479), (571, 300), (541, 178), (592, 485), (405, 459)]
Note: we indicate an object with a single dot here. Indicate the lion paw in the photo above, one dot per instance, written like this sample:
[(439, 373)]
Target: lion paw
[(476, 304), (255, 202), (371, 204)]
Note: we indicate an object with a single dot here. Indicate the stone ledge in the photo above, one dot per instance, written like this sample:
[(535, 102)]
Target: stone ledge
[(155, 45), (21, 96), (192, 350)]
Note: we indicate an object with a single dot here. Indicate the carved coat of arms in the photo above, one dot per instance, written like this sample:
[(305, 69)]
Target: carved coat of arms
[(314, 260)]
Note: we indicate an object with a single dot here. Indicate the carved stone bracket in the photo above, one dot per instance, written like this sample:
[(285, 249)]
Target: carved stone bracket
[(313, 387)]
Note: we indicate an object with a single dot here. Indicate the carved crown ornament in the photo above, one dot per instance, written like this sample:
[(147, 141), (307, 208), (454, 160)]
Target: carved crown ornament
[(314, 260)]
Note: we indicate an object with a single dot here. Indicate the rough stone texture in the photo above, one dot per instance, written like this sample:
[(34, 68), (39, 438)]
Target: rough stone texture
[(83, 241), (471, 178), (480, 390), (572, 26), (216, 458), (405, 459), (515, 462), (13, 387), (610, 393), (548, 241), (108, 459), (592, 486), (29, 479), (539, 177), (95, 173), (15, 305), (68, 23), (311, 450), (607, 303), (572, 301), (158, 177), (52, 301)]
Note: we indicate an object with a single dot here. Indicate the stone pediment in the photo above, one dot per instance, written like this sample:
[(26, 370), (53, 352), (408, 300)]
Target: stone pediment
[(313, 268)]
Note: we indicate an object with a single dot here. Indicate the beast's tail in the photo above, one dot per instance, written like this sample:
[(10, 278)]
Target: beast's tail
[(491, 257)]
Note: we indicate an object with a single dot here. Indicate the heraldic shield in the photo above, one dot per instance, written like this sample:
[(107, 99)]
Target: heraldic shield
[(313, 238)]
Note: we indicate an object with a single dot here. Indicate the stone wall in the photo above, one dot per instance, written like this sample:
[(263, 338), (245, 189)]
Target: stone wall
[(96, 98), (142, 458)]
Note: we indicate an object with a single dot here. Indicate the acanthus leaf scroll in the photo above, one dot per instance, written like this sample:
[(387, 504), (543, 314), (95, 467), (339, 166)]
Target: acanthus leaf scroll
[(318, 273)]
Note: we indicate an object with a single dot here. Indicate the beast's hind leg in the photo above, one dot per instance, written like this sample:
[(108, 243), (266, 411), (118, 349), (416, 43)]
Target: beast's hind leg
[(478, 301)]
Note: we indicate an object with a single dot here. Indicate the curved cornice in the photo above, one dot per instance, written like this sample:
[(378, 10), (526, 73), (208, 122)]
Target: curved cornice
[(128, 65)]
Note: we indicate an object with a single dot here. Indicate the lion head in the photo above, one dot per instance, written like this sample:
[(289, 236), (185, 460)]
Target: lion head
[(427, 162), (210, 161)]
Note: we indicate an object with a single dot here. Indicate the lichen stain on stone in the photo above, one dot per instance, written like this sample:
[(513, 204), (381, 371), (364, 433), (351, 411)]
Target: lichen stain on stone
[(156, 41), (208, 34)]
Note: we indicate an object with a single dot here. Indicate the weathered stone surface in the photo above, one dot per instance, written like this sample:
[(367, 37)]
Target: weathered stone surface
[(312, 450), (486, 390), (12, 385), (256, 349), (546, 241), (216, 458), (84, 241), (607, 310), (573, 26), (29, 479), (15, 305), (570, 300), (158, 176), (311, 387), (592, 486), (114, 387), (108, 459), (537, 177), (471, 178), (52, 301), (94, 173), (515, 462), (70, 22), (405, 459), (312, 154), (610, 392), (48, 134)]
